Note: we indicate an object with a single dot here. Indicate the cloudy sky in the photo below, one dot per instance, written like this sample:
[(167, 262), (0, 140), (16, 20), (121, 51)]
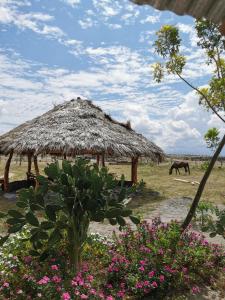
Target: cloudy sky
[(53, 51)]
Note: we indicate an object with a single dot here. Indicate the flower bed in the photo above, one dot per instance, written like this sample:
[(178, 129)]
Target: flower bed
[(153, 261)]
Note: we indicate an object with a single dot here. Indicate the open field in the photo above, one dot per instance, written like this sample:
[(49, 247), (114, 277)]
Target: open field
[(159, 184)]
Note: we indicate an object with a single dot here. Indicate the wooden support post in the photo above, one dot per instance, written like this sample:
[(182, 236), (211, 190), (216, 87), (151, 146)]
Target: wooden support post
[(97, 159), (29, 161), (103, 160), (6, 173), (37, 173), (222, 28), (134, 165)]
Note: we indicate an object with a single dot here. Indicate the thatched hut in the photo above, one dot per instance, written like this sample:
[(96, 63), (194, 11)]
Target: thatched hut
[(73, 128), (213, 10)]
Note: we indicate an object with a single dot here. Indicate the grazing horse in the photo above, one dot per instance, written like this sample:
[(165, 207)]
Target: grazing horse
[(179, 164)]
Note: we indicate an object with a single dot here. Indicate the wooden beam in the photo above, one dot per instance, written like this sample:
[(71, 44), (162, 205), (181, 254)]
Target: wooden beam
[(222, 28), (29, 165), (103, 160), (37, 173), (36, 166), (6, 173), (134, 165), (97, 159)]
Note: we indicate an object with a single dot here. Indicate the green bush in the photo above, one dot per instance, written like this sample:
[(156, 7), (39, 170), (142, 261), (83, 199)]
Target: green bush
[(63, 206)]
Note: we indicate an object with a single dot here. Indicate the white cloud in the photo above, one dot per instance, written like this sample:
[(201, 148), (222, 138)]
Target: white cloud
[(72, 3), (151, 19), (87, 23), (35, 21)]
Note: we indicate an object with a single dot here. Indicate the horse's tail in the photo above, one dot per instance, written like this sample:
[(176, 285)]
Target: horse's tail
[(171, 170)]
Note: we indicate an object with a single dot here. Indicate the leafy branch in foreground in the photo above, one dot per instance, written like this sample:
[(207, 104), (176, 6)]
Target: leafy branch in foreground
[(68, 200), (212, 42)]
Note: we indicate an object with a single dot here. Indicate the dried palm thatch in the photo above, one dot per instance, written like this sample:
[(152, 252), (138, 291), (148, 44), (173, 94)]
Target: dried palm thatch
[(213, 10), (77, 127)]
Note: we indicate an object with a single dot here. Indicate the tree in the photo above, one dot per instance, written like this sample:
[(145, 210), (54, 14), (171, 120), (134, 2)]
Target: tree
[(212, 138), (69, 200), (212, 42)]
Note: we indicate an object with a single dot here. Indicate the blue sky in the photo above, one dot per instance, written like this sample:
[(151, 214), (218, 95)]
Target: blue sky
[(53, 51)]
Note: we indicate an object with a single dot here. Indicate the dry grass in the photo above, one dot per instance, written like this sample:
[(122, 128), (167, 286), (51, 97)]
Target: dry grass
[(159, 184)]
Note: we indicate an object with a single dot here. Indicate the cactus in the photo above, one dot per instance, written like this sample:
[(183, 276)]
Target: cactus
[(70, 198)]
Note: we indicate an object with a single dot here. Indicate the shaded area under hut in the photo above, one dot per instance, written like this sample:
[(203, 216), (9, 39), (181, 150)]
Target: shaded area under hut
[(76, 127)]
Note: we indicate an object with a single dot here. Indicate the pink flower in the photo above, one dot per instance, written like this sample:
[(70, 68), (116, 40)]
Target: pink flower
[(28, 259), (54, 267), (151, 274), (161, 278), (66, 296), (56, 279), (110, 298), (121, 294), (93, 292), (83, 296), (154, 284), (44, 280), (141, 268), (195, 290), (90, 278), (5, 284)]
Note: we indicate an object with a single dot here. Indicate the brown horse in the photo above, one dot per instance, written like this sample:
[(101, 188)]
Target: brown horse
[(179, 164)]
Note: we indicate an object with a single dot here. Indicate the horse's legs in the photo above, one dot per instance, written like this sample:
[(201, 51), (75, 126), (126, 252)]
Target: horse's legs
[(178, 171)]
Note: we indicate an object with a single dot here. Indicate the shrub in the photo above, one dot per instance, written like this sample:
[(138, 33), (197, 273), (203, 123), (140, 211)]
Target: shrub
[(69, 199), (153, 261)]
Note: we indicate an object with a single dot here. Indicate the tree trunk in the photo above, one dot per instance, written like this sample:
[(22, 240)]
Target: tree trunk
[(201, 187)]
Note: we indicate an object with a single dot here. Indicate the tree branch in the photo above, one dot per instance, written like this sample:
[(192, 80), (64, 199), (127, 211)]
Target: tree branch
[(207, 101)]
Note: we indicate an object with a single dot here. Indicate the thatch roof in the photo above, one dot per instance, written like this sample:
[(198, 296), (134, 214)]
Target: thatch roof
[(77, 127), (213, 10)]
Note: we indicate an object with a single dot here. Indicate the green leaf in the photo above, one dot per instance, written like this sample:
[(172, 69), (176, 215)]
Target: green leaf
[(13, 221), (35, 207), (3, 239), (50, 213), (44, 255), (15, 228), (98, 217), (114, 212), (54, 237), (67, 168), (121, 221), (212, 234), (15, 214), (2, 215), (42, 235), (42, 180), (21, 204), (135, 220), (52, 170), (113, 221), (126, 212), (34, 253), (32, 219), (47, 225), (64, 179)]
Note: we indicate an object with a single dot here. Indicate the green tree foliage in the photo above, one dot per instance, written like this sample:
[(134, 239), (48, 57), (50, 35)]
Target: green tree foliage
[(212, 138), (68, 200), (212, 42)]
